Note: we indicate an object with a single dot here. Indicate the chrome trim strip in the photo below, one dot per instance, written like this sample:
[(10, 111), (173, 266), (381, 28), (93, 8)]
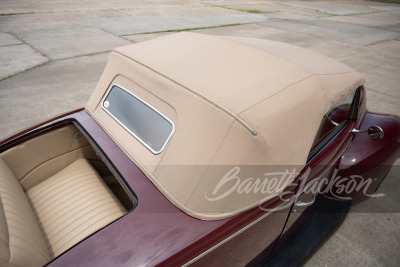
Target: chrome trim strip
[(236, 233), (331, 121), (327, 169), (330, 141), (126, 128), (361, 117), (299, 203)]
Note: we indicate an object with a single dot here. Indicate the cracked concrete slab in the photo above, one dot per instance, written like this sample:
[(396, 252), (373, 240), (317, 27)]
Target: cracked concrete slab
[(41, 6), (283, 16), (369, 20), (18, 22), (338, 12), (271, 7), (129, 4), (379, 64), (164, 22), (17, 58), (8, 39), (395, 10), (42, 93), (192, 8), (337, 8), (136, 38), (68, 39), (336, 30), (361, 252)]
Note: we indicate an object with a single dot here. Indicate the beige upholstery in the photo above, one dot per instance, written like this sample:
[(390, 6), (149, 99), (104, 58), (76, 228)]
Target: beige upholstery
[(21, 240), (43, 156), (73, 204), (52, 216), (219, 92)]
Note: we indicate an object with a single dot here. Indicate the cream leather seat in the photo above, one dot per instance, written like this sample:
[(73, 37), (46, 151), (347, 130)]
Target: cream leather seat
[(21, 240), (52, 216)]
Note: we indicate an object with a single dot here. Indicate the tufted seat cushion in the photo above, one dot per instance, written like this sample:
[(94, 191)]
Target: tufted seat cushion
[(52, 216), (21, 240), (73, 204)]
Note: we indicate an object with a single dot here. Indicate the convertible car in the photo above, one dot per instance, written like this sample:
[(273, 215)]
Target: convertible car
[(195, 150)]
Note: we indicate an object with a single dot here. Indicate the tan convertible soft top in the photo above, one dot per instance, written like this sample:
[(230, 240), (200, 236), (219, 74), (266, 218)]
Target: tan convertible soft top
[(235, 102)]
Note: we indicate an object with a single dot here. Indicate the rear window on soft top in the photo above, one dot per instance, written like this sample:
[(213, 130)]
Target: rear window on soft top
[(144, 122)]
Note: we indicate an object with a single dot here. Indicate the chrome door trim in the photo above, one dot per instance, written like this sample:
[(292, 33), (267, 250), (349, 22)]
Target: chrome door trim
[(236, 233)]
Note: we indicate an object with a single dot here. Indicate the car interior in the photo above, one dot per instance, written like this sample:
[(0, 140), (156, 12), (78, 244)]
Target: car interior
[(55, 191)]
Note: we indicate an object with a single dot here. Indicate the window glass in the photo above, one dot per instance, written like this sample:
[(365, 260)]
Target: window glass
[(141, 120), (337, 115), (340, 111)]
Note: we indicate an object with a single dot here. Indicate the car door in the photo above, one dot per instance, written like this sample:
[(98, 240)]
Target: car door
[(260, 239), (249, 240), (370, 155), (331, 141)]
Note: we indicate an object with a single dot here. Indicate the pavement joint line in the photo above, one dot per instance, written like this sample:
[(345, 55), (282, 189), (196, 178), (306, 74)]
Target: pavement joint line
[(113, 34), (53, 11), (33, 48), (358, 14), (253, 11), (118, 11), (16, 37), (310, 34), (21, 41), (20, 72), (124, 37), (372, 89), (51, 60), (315, 10), (126, 8), (83, 55), (388, 1), (330, 14), (191, 29), (11, 44), (16, 13)]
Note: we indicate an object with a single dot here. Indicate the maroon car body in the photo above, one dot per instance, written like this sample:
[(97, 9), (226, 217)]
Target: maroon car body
[(156, 232)]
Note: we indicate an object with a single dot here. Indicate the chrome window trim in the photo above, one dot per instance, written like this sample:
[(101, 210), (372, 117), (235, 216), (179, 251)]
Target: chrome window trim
[(331, 121), (236, 233), (343, 124), (361, 117), (127, 129)]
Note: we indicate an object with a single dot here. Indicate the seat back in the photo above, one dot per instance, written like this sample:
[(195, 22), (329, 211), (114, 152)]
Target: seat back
[(21, 239)]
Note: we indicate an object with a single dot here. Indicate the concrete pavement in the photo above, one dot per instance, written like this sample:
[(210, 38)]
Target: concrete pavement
[(52, 54)]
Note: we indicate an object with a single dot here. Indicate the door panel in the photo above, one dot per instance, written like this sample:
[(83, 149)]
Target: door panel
[(241, 249), (321, 171), (332, 139)]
